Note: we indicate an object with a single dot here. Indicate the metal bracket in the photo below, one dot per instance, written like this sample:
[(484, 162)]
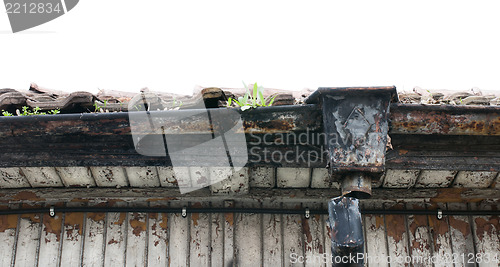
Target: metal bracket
[(184, 212), (439, 214), (308, 213), (52, 211)]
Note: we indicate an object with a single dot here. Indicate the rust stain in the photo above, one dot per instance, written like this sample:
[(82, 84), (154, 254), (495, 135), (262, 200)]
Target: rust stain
[(488, 226), (196, 216), (307, 232), (121, 219), (112, 241), (448, 195), (96, 216), (460, 225), (229, 218), (161, 199), (8, 222), (138, 224), (73, 221), (397, 224), (379, 221), (402, 151), (27, 195), (52, 225), (269, 126)]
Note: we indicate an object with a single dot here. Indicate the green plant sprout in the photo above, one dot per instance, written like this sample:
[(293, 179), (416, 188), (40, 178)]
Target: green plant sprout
[(25, 111), (252, 100)]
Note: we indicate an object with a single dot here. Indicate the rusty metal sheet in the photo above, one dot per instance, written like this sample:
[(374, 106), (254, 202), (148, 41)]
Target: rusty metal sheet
[(28, 239), (50, 239), (445, 120), (272, 236), (116, 238), (179, 239), (137, 234), (8, 227), (486, 232), (293, 242), (440, 232), (312, 230)]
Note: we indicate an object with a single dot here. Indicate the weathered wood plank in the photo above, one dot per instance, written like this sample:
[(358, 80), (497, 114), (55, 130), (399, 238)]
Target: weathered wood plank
[(293, 177), (272, 236), (71, 252), (199, 176), (116, 238), (262, 177), (167, 176), (486, 232), (461, 235), (419, 236), (217, 236), (313, 237), (474, 179), (248, 236), (179, 239), (28, 239), (143, 176), (8, 225), (199, 238), (226, 182), (229, 233), (400, 178), (432, 178), (327, 239), (397, 236), (293, 243), (376, 240), (137, 235), (95, 232), (109, 176), (158, 238), (50, 240), (12, 178), (42, 176), (440, 232), (76, 176)]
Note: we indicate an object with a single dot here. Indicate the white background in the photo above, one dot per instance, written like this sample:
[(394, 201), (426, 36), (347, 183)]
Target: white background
[(175, 45)]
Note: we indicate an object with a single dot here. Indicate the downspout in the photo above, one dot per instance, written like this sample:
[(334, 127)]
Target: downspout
[(355, 122)]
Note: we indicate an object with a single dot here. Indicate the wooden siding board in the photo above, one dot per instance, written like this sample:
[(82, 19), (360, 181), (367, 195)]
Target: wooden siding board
[(137, 236), (327, 236), (179, 239), (50, 240), (95, 232), (293, 243), (440, 233), (109, 176), (28, 240), (42, 176), (419, 236), (200, 238), (116, 238), (143, 176), (73, 235), (229, 234), (12, 178), (313, 237), (8, 226), (76, 176), (376, 240), (397, 235), (248, 236), (486, 232), (461, 235), (272, 238), (217, 237), (158, 238)]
